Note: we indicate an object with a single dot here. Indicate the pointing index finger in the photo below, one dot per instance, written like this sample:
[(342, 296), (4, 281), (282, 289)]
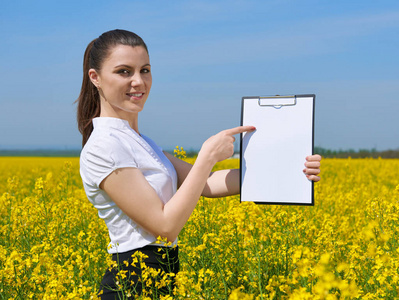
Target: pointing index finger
[(240, 129)]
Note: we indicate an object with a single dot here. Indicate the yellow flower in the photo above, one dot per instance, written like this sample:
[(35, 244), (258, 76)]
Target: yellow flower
[(180, 153), (39, 185), (54, 246), (238, 295)]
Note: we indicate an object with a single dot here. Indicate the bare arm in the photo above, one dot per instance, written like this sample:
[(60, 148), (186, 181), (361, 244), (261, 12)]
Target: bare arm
[(224, 183), (221, 183), (129, 189)]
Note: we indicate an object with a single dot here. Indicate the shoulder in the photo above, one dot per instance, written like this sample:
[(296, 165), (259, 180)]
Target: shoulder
[(104, 152), (98, 145)]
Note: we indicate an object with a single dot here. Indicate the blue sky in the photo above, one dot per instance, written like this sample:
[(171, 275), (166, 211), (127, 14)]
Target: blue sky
[(205, 56)]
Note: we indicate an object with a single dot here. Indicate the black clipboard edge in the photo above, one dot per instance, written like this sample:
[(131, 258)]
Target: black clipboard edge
[(241, 137)]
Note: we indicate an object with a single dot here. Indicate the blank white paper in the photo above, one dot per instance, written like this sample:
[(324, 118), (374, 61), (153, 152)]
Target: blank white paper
[(273, 156)]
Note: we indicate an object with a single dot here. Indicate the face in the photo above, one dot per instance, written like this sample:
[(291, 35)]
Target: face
[(124, 81)]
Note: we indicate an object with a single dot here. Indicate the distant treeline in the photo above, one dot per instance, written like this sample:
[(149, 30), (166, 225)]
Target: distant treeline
[(41, 153), (361, 153)]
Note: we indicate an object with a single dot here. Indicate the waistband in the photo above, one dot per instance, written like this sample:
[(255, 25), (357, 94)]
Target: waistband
[(149, 249)]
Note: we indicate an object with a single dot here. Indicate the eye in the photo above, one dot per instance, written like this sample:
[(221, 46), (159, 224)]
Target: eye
[(123, 72), (145, 70)]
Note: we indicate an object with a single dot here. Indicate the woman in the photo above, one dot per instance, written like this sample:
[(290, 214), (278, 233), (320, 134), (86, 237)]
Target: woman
[(126, 176)]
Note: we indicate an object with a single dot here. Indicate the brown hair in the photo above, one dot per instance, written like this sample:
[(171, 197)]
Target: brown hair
[(96, 52)]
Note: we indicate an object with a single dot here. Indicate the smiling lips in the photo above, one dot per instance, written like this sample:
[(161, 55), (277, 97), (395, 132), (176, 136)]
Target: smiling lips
[(135, 95)]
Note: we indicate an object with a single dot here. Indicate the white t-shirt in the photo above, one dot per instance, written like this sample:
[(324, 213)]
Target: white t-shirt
[(112, 145)]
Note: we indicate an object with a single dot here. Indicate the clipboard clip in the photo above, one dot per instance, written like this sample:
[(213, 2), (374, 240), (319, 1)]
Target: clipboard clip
[(277, 101)]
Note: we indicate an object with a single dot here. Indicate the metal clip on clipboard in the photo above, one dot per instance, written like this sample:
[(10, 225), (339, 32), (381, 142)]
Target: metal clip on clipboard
[(277, 101)]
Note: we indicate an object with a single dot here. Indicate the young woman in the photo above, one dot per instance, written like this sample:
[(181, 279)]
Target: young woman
[(126, 176)]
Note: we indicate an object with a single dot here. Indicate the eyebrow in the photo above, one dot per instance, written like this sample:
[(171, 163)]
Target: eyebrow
[(127, 66)]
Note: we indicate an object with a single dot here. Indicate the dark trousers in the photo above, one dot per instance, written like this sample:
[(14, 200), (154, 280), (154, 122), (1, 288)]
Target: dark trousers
[(129, 277)]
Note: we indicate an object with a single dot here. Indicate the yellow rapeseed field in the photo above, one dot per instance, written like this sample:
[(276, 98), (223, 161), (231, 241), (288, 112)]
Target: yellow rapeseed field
[(53, 245)]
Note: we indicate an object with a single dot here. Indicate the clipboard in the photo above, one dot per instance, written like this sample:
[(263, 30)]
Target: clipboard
[(272, 157)]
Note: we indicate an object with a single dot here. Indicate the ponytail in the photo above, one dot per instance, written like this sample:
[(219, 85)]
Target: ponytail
[(88, 101)]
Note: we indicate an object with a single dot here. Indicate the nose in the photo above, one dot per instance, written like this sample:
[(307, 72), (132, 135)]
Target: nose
[(137, 80)]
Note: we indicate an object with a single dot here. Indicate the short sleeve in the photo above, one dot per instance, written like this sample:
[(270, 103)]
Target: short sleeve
[(101, 157)]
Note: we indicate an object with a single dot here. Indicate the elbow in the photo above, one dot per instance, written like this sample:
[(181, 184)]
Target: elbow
[(168, 232), (169, 223), (207, 192), (165, 229), (164, 235), (170, 236)]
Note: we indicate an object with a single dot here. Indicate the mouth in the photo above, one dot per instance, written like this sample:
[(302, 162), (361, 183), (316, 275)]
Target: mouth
[(135, 95)]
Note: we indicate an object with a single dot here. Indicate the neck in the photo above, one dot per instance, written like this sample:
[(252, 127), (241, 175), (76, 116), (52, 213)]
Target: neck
[(132, 118), (111, 111), (134, 124)]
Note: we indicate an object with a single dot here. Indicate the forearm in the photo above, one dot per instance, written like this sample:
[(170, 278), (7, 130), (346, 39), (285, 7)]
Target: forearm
[(179, 208), (222, 183)]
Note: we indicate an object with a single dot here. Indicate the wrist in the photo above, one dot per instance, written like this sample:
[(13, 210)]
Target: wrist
[(206, 160)]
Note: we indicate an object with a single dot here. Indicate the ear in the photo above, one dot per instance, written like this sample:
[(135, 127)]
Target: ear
[(94, 77)]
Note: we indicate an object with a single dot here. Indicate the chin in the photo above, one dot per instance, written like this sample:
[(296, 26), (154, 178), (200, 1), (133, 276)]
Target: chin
[(136, 109)]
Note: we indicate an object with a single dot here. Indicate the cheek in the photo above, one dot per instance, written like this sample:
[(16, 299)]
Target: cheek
[(149, 83)]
